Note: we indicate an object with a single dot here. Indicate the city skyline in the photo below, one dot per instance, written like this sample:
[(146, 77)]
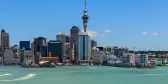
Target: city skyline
[(126, 23)]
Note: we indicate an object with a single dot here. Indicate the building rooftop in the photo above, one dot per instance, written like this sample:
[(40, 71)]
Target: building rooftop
[(61, 33), (83, 33), (75, 27), (2, 30)]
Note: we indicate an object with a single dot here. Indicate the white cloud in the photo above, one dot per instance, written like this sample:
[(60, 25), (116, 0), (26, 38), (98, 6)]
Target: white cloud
[(155, 33), (144, 33), (107, 31)]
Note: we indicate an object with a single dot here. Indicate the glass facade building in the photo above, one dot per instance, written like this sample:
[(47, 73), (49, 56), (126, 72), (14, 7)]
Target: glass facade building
[(25, 45), (44, 51), (21, 55), (38, 43), (84, 46), (93, 43), (55, 49)]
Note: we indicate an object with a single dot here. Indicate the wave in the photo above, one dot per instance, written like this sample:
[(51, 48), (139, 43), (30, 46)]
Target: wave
[(22, 78), (5, 74), (156, 74), (146, 74)]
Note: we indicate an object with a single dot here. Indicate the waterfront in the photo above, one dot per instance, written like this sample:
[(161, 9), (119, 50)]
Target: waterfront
[(82, 75)]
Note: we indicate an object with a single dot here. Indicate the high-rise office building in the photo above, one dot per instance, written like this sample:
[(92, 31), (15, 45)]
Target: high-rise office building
[(61, 37), (38, 44), (67, 39), (25, 45), (4, 42), (32, 47), (44, 51), (73, 43), (84, 47), (22, 55), (55, 49), (93, 43)]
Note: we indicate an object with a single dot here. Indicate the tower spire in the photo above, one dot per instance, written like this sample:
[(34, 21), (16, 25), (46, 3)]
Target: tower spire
[(85, 17), (85, 4)]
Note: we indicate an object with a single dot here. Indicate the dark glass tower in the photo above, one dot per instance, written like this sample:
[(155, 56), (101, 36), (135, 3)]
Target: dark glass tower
[(38, 43), (25, 45), (55, 49)]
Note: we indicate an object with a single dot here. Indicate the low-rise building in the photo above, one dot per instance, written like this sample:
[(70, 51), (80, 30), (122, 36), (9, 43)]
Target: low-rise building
[(9, 57), (143, 59), (130, 58), (95, 55), (28, 57)]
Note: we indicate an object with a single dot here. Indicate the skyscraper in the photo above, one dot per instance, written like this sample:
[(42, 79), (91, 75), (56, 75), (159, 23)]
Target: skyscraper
[(38, 44), (73, 43), (84, 47), (93, 43), (44, 51), (55, 49), (4, 41), (62, 38), (67, 39), (24, 44), (84, 42)]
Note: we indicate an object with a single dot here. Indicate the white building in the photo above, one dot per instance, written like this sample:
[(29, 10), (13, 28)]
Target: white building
[(137, 58), (9, 57), (112, 59), (28, 57), (128, 58), (131, 58)]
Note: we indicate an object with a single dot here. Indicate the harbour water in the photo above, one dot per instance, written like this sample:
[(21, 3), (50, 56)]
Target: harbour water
[(82, 75)]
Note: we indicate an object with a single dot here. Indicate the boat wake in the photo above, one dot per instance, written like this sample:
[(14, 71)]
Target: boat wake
[(5, 74), (22, 78)]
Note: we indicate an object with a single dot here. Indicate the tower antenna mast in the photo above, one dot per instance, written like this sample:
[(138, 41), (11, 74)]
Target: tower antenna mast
[(85, 17)]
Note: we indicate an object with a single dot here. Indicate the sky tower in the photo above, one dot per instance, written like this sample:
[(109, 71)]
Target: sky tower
[(85, 17)]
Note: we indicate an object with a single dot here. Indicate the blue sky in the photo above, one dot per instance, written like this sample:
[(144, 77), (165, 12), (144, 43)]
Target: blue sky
[(140, 23)]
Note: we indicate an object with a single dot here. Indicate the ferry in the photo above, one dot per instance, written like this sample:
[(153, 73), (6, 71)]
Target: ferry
[(46, 64)]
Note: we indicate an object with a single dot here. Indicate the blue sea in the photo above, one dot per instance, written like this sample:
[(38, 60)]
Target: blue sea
[(82, 75)]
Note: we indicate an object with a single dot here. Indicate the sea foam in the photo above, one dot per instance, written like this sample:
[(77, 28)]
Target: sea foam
[(22, 78), (7, 74)]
